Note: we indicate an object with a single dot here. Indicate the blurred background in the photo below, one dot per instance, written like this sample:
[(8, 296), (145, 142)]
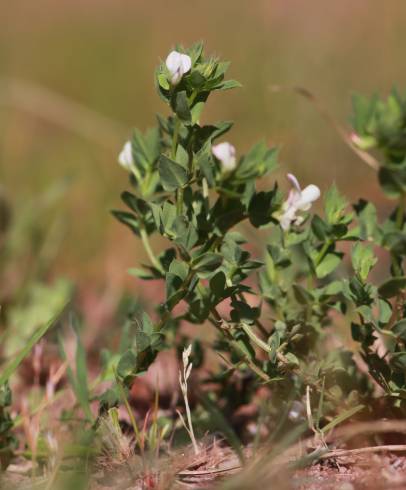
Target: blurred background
[(76, 76)]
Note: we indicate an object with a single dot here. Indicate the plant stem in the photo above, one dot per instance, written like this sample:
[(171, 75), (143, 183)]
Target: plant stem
[(322, 253), (252, 365), (179, 201), (261, 344), (129, 411), (189, 421), (175, 137), (179, 192), (148, 249)]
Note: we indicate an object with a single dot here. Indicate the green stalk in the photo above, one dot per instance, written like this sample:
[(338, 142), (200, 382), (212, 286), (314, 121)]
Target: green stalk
[(252, 365), (148, 249), (261, 344), (179, 192), (179, 201), (129, 411), (175, 137), (322, 253)]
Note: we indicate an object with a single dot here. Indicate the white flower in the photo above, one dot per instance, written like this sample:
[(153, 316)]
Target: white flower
[(225, 153), (125, 158), (296, 412), (178, 64), (298, 200)]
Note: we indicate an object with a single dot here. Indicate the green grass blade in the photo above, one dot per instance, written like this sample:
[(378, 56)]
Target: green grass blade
[(81, 376), (81, 397), (343, 416), (23, 353)]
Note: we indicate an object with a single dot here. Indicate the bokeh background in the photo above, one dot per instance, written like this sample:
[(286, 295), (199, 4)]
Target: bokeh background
[(76, 76)]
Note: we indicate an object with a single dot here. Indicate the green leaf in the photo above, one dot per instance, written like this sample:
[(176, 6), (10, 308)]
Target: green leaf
[(179, 268), (184, 233), (262, 206), (320, 228), (180, 106), (398, 361), (175, 290), (363, 112), (333, 288), (163, 81), (207, 262), (196, 111), (172, 174), (367, 217), (127, 365), (393, 181), (227, 85), (127, 219), (385, 311), (196, 79), (257, 162), (400, 329), (363, 259), (167, 217), (243, 312), (330, 262), (302, 295), (334, 205), (218, 284), (182, 156), (138, 358), (392, 287)]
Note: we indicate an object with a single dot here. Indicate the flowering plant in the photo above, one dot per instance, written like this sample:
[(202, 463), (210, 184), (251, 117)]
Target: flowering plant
[(276, 310)]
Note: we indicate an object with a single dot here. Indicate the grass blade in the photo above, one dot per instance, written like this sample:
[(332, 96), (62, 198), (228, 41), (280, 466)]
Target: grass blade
[(23, 353), (343, 416)]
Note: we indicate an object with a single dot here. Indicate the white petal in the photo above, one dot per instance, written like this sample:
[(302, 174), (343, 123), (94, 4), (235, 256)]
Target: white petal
[(285, 222), (186, 63), (293, 180), (173, 61), (226, 154), (309, 194), (288, 217), (125, 158), (178, 64), (293, 198)]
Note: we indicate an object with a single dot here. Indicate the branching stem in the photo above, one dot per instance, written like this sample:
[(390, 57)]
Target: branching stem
[(147, 247)]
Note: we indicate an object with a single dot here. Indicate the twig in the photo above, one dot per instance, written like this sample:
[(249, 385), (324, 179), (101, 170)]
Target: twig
[(214, 471), (363, 155), (363, 450)]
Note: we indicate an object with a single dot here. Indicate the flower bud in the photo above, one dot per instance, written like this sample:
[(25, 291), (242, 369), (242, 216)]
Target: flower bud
[(178, 64), (362, 142), (125, 158), (225, 153)]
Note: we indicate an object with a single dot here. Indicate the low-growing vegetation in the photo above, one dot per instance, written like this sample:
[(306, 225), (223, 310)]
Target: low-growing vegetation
[(274, 313)]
